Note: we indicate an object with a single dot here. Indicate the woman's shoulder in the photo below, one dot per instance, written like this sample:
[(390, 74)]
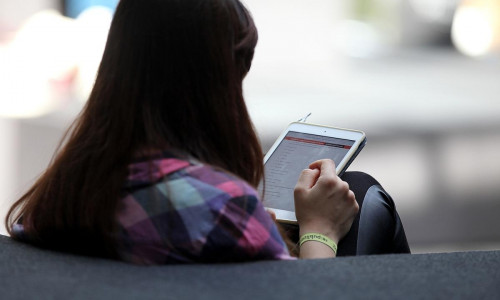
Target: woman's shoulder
[(208, 208)]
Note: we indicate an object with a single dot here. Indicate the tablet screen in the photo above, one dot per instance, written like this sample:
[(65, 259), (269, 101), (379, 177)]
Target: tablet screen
[(294, 154)]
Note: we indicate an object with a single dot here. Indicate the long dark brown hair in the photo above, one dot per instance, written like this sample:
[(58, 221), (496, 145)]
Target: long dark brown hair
[(171, 76)]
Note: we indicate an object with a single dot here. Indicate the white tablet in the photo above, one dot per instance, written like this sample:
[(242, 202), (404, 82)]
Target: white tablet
[(294, 150)]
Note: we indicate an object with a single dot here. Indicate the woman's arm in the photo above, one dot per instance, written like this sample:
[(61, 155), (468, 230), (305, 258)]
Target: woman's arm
[(324, 204)]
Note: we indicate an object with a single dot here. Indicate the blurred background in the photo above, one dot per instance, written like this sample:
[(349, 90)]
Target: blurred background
[(420, 77)]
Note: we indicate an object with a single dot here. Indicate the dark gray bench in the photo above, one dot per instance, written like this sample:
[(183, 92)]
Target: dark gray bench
[(31, 273)]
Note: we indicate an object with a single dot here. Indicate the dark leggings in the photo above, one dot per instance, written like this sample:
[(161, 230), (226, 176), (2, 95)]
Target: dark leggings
[(377, 229)]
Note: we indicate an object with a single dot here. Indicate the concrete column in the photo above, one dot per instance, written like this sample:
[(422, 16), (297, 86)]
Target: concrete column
[(8, 169)]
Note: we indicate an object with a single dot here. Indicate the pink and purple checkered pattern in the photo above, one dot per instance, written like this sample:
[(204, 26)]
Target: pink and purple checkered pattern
[(181, 211)]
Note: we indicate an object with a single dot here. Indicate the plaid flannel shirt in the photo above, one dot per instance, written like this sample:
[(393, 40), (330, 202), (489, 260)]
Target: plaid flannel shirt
[(182, 211)]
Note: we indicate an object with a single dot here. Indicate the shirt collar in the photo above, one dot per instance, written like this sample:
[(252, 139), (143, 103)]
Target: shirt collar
[(150, 169)]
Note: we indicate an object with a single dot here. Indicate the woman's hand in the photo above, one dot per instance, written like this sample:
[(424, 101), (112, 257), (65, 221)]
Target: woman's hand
[(272, 214), (323, 204)]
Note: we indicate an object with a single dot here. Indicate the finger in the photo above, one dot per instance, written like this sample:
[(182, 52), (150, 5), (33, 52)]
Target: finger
[(272, 214), (307, 179), (326, 167), (356, 207), (343, 187), (351, 196), (328, 179)]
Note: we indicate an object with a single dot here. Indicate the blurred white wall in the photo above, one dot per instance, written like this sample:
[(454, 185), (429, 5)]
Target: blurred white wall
[(8, 159)]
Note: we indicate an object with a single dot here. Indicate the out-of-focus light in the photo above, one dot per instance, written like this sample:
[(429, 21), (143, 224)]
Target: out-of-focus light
[(471, 32), (52, 59), (476, 27), (36, 66)]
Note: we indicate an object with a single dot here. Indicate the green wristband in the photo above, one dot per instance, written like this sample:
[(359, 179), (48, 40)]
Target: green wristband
[(318, 238)]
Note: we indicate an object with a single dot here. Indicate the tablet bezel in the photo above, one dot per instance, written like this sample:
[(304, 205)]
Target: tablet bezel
[(357, 136)]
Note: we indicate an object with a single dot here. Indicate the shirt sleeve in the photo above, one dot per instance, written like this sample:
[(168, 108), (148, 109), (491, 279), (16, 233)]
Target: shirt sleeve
[(244, 231)]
